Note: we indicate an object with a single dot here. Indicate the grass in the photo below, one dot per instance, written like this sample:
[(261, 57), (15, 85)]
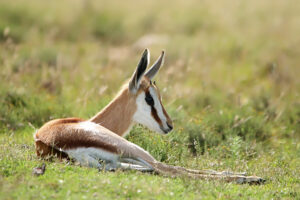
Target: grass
[(230, 83)]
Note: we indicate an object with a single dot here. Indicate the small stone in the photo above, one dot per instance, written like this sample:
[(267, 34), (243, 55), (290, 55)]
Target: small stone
[(37, 171)]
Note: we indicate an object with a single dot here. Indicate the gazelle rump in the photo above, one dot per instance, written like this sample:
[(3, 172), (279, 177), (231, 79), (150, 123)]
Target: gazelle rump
[(98, 142)]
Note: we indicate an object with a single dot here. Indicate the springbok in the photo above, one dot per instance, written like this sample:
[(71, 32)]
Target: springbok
[(98, 142)]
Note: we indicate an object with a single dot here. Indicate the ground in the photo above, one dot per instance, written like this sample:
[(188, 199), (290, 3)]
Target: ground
[(230, 83)]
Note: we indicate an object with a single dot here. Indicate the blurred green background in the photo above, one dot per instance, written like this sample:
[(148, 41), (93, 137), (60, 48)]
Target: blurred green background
[(230, 82)]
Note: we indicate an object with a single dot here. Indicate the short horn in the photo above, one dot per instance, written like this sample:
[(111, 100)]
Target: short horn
[(155, 67)]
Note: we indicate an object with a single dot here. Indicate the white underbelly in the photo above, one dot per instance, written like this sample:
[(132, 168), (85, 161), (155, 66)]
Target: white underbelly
[(83, 154)]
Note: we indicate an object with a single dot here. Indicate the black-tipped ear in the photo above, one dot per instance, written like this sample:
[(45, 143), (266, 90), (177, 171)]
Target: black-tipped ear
[(155, 67), (136, 78)]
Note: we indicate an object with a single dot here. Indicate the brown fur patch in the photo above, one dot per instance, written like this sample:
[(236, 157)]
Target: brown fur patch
[(117, 116), (73, 138), (61, 134)]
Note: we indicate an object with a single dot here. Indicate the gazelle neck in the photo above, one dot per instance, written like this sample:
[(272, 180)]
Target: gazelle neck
[(117, 115)]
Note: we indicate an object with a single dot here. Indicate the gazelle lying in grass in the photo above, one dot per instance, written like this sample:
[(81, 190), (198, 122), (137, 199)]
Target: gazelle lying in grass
[(99, 142)]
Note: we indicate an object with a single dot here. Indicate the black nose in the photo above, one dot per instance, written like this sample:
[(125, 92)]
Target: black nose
[(170, 126)]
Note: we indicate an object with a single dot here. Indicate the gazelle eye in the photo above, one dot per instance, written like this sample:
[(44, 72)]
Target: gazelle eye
[(149, 99)]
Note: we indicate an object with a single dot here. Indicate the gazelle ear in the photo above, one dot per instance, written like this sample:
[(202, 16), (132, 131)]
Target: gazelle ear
[(136, 78), (155, 67)]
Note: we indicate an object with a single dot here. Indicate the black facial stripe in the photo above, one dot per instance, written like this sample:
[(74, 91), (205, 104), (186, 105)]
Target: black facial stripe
[(149, 100), (155, 116)]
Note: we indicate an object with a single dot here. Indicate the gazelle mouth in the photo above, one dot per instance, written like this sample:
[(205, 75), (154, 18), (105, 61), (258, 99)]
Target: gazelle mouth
[(166, 130)]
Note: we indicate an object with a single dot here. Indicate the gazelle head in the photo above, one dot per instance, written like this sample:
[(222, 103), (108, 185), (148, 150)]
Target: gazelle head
[(150, 111)]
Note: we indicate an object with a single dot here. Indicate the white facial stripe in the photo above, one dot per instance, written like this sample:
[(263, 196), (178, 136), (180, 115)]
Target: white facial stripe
[(158, 106)]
